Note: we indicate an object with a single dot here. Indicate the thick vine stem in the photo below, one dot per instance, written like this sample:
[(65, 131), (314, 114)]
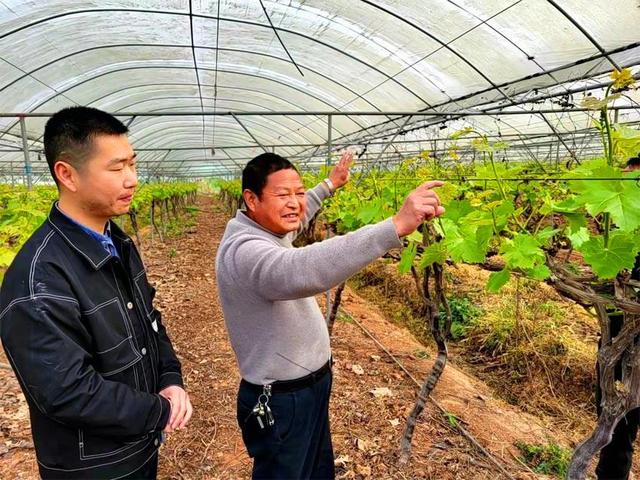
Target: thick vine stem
[(431, 311), (335, 306), (134, 224), (619, 396)]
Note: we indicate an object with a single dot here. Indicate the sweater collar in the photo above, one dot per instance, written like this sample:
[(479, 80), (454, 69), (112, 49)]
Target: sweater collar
[(244, 219)]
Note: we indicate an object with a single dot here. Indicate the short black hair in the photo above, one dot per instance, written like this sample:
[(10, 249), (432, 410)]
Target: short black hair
[(255, 173), (69, 134), (633, 162)]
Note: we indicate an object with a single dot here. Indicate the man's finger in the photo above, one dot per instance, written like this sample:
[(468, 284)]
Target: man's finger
[(345, 160), (426, 194), (429, 211), (179, 400), (172, 411), (430, 184), (188, 414)]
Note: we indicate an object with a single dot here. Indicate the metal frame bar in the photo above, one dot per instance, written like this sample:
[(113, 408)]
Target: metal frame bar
[(249, 133), (25, 149), (420, 113)]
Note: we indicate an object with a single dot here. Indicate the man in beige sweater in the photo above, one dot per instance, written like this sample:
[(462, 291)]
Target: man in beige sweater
[(276, 328)]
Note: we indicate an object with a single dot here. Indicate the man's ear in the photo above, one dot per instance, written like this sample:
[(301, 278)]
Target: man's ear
[(250, 199), (67, 175)]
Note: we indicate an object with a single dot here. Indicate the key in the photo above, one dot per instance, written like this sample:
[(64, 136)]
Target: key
[(258, 412), (269, 416)]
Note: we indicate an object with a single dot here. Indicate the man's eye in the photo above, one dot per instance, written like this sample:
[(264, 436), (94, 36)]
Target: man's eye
[(300, 194)]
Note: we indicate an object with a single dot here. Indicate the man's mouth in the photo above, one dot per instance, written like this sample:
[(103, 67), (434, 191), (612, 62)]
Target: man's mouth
[(291, 216)]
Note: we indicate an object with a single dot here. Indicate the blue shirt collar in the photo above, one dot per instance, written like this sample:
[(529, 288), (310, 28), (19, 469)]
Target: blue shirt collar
[(104, 239)]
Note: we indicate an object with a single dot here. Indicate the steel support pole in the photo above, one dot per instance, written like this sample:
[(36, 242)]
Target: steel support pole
[(25, 149)]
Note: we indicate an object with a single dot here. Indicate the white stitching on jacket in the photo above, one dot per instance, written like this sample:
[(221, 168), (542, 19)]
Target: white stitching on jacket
[(32, 268)]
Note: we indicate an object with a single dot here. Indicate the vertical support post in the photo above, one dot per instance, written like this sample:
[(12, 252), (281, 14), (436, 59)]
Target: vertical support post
[(25, 149), (328, 165)]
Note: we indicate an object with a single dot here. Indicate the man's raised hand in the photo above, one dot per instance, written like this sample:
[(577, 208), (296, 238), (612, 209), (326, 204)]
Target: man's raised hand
[(339, 175), (421, 205)]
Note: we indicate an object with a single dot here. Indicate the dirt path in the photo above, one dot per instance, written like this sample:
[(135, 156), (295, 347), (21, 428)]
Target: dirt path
[(366, 427)]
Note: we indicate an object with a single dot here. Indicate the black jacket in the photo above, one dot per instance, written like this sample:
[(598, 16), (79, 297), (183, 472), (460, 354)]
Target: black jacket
[(89, 351)]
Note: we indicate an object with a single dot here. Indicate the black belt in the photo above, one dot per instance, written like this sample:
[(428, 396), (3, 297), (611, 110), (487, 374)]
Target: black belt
[(287, 386)]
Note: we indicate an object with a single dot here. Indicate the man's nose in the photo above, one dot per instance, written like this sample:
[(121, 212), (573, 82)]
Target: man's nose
[(131, 180)]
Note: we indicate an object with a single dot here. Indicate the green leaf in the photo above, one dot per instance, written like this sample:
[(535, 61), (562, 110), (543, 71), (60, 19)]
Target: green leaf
[(619, 198), (369, 211), (500, 146), (593, 103), (6, 257), (579, 238), (544, 235), (461, 133), (407, 257), (567, 206), (541, 272), (523, 252), (415, 236), (503, 213), (497, 280), (576, 221), (435, 253), (469, 243), (457, 209), (626, 141), (608, 262)]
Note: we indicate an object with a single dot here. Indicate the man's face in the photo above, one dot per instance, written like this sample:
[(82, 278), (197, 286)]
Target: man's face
[(282, 204), (107, 179)]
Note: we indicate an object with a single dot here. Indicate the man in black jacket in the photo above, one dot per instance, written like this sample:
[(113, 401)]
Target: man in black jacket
[(77, 320)]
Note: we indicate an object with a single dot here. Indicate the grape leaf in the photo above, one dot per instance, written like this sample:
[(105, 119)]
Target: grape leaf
[(407, 257), (457, 209), (469, 243), (608, 262), (415, 236), (497, 280), (523, 252), (579, 238), (577, 221), (369, 211), (541, 272), (619, 198), (435, 253)]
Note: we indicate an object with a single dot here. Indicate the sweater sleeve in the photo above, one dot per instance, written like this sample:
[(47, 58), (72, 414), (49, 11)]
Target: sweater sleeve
[(279, 273)]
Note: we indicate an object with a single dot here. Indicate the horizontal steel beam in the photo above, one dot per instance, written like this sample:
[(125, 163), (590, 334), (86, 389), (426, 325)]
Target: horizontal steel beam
[(401, 113)]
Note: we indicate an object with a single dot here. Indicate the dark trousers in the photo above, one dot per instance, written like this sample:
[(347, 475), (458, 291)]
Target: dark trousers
[(148, 471), (616, 457), (298, 445)]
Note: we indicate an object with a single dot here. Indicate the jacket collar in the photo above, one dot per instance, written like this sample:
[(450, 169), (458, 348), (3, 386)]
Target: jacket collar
[(80, 241)]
